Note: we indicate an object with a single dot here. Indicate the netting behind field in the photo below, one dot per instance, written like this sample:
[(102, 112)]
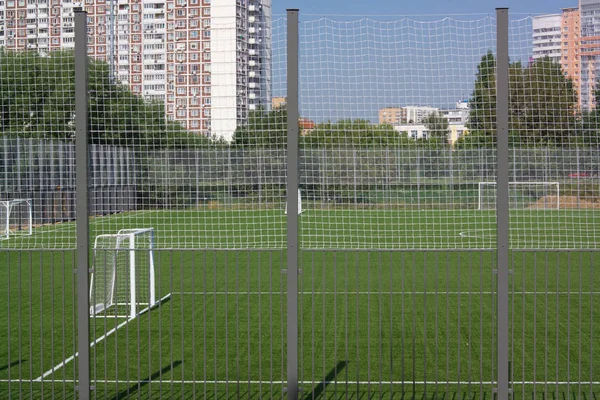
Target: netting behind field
[(188, 134)]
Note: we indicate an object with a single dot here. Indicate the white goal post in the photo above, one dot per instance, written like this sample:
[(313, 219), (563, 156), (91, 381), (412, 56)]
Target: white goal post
[(522, 195), (16, 218), (123, 277), (299, 204)]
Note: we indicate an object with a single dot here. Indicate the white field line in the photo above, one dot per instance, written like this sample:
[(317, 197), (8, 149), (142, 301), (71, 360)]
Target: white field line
[(95, 342), (339, 382), (233, 292)]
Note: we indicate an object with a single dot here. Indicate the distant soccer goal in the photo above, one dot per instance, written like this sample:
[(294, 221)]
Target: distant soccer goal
[(299, 204), (521, 196), (123, 279), (16, 218)]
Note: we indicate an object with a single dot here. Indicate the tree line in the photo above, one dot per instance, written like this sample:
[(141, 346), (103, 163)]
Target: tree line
[(543, 111), (37, 99)]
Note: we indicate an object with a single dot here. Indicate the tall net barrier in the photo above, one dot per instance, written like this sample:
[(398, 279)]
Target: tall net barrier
[(397, 290), (414, 147)]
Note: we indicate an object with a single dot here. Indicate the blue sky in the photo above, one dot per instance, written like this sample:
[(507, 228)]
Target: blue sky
[(359, 56), (405, 7)]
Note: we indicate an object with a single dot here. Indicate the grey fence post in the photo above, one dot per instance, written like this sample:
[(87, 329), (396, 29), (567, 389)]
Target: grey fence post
[(81, 159), (292, 204), (502, 205)]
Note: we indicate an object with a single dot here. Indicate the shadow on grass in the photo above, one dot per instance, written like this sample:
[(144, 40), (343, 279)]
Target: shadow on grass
[(136, 387), (12, 364), (320, 388)]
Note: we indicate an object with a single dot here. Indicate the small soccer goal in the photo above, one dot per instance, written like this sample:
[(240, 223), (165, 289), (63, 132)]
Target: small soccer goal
[(16, 218), (521, 195), (123, 278), (299, 204)]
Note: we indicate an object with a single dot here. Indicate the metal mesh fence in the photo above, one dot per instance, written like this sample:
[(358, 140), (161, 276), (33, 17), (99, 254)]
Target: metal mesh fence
[(397, 290)]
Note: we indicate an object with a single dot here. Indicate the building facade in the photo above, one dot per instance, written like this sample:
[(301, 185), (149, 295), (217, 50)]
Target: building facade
[(547, 37), (392, 115), (405, 115), (570, 41), (207, 61), (589, 50)]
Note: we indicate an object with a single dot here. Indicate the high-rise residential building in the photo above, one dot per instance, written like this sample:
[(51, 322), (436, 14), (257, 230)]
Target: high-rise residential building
[(570, 55), (547, 36), (208, 61), (589, 50)]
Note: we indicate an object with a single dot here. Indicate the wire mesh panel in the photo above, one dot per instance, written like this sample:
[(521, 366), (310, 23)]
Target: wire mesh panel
[(397, 323), (397, 209), (398, 268), (38, 323), (553, 288)]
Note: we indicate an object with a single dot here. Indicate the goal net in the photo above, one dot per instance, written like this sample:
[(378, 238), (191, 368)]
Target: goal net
[(15, 218), (522, 195), (299, 204), (123, 282)]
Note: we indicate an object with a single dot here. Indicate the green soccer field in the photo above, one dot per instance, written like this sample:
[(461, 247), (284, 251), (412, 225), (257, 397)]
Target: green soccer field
[(417, 317)]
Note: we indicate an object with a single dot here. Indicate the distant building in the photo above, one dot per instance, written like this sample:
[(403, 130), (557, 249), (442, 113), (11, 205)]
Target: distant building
[(392, 115), (589, 53), (208, 62), (414, 131), (547, 37), (416, 114), (459, 115), (570, 52), (405, 115), (420, 131), (305, 125), (278, 102)]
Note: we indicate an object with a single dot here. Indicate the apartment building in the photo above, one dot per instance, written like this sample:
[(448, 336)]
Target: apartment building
[(392, 115), (570, 41), (405, 115), (547, 36), (207, 61), (589, 50)]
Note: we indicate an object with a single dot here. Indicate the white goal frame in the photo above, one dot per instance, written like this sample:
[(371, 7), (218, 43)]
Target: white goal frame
[(5, 226), (299, 204), (481, 184), (133, 303)]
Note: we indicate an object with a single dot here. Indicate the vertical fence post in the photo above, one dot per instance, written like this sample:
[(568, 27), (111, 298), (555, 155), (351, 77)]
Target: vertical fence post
[(81, 157), (292, 204), (502, 206)]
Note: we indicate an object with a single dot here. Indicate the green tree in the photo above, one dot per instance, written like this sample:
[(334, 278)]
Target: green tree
[(482, 114), (351, 133), (37, 99), (263, 129), (438, 126), (542, 105)]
